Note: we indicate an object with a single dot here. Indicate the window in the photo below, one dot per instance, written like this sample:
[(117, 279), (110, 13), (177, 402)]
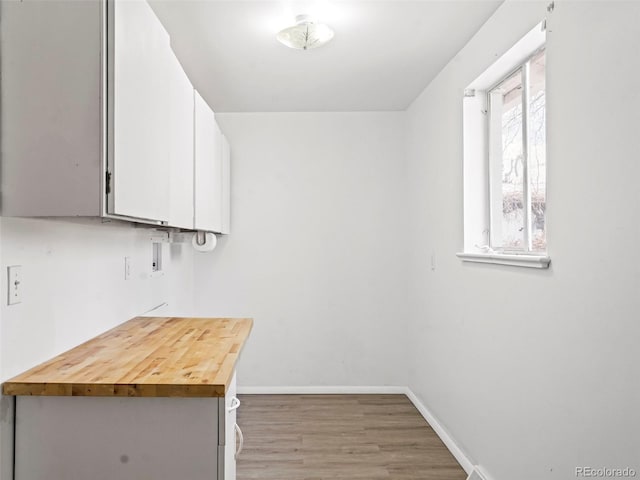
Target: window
[(517, 159), (505, 163)]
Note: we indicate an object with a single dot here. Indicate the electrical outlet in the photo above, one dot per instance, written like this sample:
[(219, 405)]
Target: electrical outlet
[(156, 260), (14, 274)]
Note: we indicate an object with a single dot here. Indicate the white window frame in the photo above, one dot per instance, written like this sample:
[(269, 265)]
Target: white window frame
[(477, 202)]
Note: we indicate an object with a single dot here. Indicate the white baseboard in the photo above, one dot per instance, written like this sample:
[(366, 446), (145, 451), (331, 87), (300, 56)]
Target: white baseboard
[(478, 474), (449, 442), (315, 390)]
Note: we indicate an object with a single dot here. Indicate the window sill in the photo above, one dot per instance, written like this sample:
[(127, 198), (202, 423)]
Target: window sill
[(514, 260)]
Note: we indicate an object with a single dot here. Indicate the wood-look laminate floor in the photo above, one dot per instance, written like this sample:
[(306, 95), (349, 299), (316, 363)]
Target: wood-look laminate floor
[(339, 437)]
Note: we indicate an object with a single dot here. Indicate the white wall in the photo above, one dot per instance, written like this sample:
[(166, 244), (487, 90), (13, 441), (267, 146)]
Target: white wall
[(317, 250), (74, 288), (533, 372)]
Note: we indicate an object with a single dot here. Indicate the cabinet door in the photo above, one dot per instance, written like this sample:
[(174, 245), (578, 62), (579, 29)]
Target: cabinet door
[(181, 148), (227, 433), (115, 438), (138, 151), (50, 104), (208, 168), (226, 186)]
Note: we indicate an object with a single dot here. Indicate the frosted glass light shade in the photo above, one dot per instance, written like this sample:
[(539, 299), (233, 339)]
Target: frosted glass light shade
[(306, 34)]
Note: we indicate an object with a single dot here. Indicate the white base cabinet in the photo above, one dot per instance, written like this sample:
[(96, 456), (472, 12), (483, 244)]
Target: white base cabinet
[(113, 438)]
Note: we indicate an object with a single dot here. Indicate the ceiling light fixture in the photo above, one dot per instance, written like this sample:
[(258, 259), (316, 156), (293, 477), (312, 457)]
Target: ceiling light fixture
[(305, 34)]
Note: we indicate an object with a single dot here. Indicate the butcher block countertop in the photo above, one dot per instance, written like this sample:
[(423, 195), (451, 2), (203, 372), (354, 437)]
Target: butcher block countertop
[(144, 357)]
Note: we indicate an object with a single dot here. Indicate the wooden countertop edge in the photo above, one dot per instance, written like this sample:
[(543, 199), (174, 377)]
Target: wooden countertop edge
[(112, 390), (15, 387)]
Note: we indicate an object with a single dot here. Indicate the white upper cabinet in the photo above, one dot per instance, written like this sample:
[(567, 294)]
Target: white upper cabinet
[(226, 186), (181, 159), (208, 168), (51, 117), (98, 118), (139, 128)]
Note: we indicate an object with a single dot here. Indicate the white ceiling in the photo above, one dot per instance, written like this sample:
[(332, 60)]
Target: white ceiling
[(382, 56)]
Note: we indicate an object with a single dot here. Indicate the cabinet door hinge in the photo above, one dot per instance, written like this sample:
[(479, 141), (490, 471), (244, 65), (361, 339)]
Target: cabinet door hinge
[(108, 182)]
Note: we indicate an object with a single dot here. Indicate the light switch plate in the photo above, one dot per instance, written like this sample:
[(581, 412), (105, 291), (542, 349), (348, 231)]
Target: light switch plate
[(14, 289)]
